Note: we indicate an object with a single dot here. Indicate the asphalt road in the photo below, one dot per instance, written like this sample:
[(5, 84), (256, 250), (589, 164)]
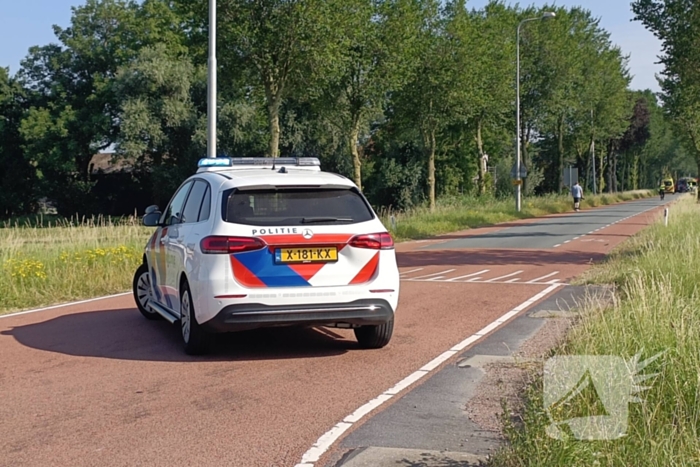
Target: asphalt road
[(96, 384), (553, 231)]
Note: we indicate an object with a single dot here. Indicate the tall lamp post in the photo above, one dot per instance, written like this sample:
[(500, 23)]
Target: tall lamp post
[(518, 179), (211, 83)]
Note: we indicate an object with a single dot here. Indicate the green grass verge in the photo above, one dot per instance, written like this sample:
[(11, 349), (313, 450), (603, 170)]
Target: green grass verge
[(658, 291), (47, 260), (44, 264), (454, 214)]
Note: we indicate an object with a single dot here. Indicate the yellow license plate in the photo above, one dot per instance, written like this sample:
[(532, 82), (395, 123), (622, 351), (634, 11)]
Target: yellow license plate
[(321, 254)]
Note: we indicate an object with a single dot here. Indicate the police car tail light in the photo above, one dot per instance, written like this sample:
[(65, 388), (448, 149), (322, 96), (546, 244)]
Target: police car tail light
[(378, 241), (227, 245)]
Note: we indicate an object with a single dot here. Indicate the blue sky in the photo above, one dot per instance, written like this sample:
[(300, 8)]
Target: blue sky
[(26, 23)]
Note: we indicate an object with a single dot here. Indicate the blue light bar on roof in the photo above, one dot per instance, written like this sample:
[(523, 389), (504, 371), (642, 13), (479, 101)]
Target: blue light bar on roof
[(269, 161), (215, 162), (259, 161)]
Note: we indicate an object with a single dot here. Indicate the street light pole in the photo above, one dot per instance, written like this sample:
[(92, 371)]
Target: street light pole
[(595, 182), (211, 84), (518, 163)]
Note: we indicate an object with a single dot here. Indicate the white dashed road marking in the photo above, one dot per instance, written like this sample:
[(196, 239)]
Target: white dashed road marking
[(545, 277), (409, 272), (433, 274), (455, 279), (476, 277), (503, 277)]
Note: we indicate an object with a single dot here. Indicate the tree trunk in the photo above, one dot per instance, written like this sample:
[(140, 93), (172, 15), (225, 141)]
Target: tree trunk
[(610, 167), (560, 147), (524, 160), (480, 147), (274, 122), (601, 174), (431, 169), (356, 162), (616, 157), (697, 190), (273, 94)]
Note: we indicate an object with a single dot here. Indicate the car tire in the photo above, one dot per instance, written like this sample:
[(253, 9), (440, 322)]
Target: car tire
[(194, 337), (375, 337), (142, 292)]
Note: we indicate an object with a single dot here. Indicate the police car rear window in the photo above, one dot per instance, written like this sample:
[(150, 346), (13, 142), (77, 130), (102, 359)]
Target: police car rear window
[(298, 206)]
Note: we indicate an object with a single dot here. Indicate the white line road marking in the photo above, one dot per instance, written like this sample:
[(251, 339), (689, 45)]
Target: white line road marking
[(503, 277), (544, 277), (555, 281), (431, 275), (65, 304), (557, 245), (468, 275), (324, 443), (409, 272), (568, 241), (512, 280), (436, 279)]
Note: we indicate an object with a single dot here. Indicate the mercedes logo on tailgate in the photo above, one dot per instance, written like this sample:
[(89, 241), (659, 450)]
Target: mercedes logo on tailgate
[(307, 234)]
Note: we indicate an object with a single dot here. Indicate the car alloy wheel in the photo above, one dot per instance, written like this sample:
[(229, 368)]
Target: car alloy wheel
[(143, 296), (185, 316)]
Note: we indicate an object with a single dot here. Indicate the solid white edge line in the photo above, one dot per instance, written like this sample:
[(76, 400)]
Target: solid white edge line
[(324, 443), (406, 382), (63, 305), (367, 408), (437, 361)]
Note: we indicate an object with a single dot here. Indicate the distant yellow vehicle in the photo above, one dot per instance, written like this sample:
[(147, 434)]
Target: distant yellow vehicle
[(668, 185)]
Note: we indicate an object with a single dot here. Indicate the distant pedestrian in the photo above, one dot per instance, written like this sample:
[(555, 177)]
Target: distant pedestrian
[(577, 193)]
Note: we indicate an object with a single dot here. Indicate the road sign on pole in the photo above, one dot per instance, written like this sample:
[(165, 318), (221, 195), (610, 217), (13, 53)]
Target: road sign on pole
[(523, 171), (570, 175)]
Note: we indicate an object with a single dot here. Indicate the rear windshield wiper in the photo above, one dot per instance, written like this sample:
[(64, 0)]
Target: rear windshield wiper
[(313, 220)]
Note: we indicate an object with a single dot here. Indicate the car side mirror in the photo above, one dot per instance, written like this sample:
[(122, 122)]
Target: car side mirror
[(151, 208), (152, 219)]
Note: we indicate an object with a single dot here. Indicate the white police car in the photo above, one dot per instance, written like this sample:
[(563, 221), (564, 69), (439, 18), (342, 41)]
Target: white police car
[(256, 242)]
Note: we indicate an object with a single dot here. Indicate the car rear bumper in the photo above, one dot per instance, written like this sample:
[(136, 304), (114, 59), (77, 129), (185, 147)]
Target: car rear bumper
[(252, 315)]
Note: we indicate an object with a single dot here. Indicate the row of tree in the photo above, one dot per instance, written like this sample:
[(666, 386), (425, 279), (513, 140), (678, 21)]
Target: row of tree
[(677, 24), (412, 98)]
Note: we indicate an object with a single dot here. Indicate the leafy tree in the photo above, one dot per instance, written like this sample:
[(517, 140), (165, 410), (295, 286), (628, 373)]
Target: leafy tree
[(276, 42), (427, 101), (18, 178), (484, 51), (677, 24), (162, 116), (74, 109), (378, 52)]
